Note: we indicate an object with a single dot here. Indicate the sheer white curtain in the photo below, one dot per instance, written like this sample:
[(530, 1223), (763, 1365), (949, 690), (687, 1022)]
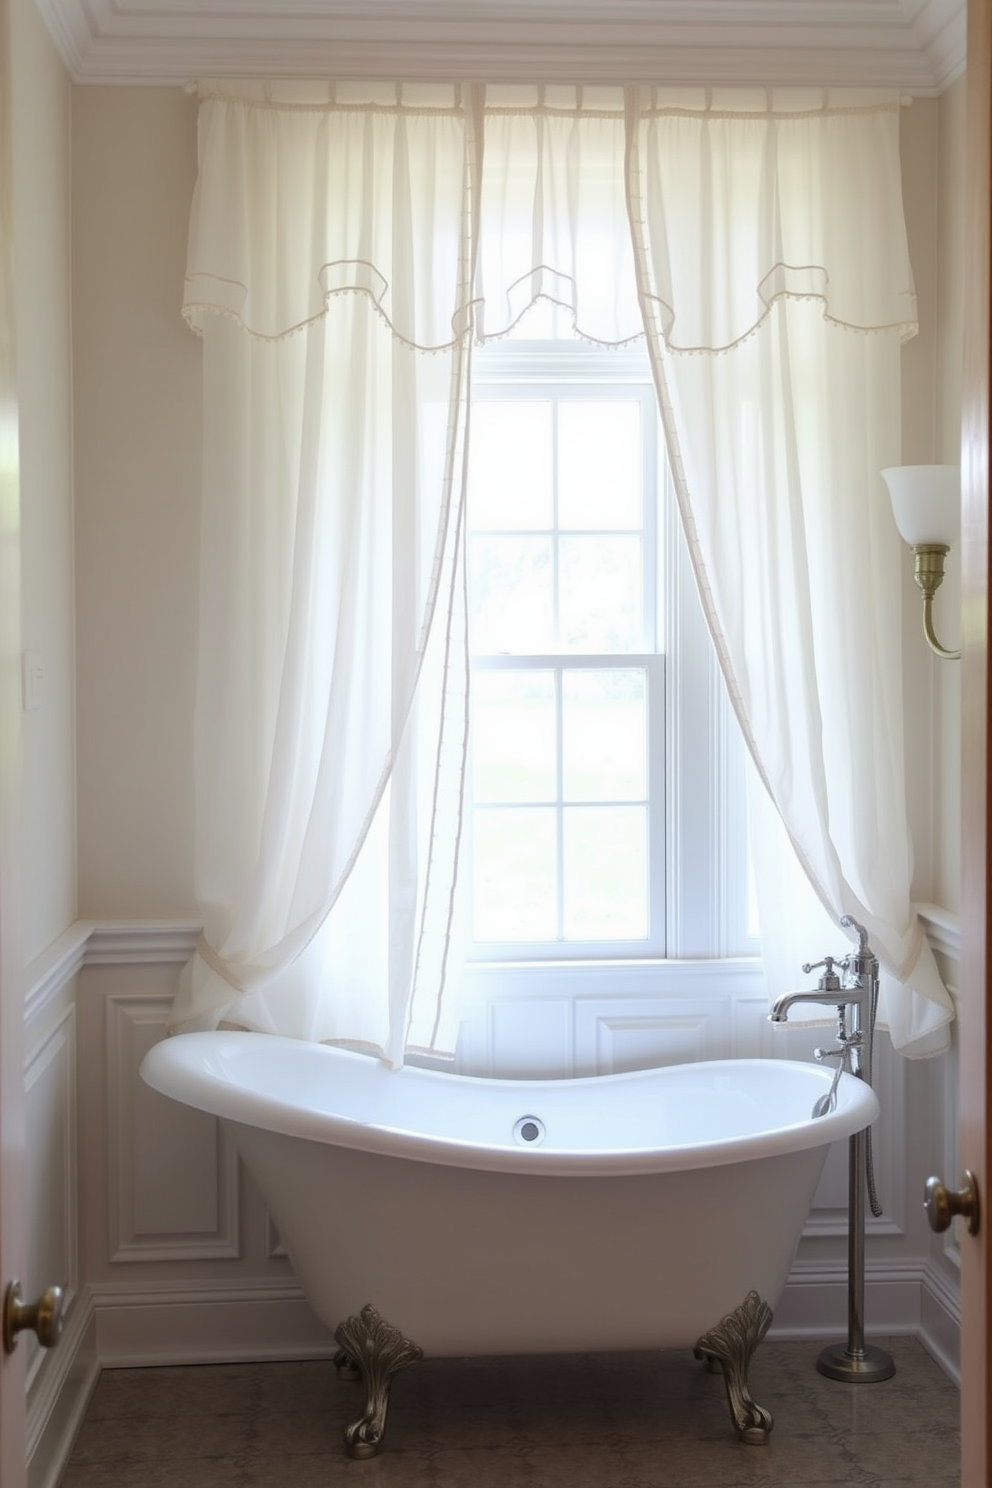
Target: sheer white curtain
[(327, 247), (770, 238), (339, 234)]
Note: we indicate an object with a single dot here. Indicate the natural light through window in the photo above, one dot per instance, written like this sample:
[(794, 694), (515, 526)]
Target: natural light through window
[(567, 684), (607, 817)]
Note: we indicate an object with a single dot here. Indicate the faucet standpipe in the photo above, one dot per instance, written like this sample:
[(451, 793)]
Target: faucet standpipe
[(857, 990)]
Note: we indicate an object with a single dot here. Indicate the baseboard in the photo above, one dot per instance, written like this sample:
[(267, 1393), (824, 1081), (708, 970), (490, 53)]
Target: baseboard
[(940, 1321), (815, 1301), (129, 1326), (914, 1299), (182, 1324), (165, 1322), (57, 1402)]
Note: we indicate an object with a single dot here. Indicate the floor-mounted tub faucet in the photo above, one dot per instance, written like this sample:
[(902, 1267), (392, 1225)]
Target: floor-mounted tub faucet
[(854, 989)]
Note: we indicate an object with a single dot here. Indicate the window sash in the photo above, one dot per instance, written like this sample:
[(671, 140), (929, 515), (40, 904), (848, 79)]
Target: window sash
[(698, 839), (560, 946)]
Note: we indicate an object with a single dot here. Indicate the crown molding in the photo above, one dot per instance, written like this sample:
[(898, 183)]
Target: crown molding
[(915, 45)]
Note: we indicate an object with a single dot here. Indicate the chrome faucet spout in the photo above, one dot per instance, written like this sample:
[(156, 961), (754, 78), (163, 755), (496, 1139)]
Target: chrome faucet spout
[(780, 1007)]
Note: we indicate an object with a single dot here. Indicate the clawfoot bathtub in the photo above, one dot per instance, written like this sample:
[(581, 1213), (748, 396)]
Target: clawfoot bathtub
[(446, 1215)]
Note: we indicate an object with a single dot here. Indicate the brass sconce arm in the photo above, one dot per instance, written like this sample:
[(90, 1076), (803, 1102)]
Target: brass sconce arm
[(928, 571)]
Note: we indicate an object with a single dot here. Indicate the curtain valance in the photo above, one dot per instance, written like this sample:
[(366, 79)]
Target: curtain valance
[(452, 207)]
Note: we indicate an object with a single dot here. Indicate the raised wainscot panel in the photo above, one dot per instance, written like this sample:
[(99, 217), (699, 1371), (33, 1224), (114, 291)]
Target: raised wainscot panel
[(51, 1167), (755, 1036), (173, 1175), (274, 1248), (528, 1040), (589, 1017), (613, 1035)]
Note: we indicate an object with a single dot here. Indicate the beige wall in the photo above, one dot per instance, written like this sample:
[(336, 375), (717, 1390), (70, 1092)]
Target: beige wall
[(950, 339), (918, 145), (932, 155), (41, 169), (136, 387), (136, 371)]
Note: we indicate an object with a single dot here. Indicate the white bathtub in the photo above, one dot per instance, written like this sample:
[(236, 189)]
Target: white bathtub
[(647, 1209)]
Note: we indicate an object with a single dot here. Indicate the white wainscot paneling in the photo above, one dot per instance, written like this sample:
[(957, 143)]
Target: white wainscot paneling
[(617, 1034), (828, 1212), (943, 932), (529, 1040), (173, 1175), (941, 1299), (946, 1103), (274, 1248), (50, 1152), (560, 1020)]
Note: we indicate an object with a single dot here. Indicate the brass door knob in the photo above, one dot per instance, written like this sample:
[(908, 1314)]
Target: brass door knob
[(942, 1204), (43, 1317)]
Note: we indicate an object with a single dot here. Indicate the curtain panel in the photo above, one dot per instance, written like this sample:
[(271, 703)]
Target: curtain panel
[(756, 239)]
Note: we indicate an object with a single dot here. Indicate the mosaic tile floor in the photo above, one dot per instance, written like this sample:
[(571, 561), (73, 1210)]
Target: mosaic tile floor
[(593, 1421)]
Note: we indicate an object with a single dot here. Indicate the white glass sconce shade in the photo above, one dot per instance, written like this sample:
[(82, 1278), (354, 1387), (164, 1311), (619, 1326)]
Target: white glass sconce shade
[(926, 502)]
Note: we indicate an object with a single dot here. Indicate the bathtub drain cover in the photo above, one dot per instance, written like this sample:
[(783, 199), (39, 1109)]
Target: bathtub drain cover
[(529, 1131)]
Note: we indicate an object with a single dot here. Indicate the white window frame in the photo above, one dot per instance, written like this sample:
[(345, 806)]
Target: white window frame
[(704, 819), (520, 383)]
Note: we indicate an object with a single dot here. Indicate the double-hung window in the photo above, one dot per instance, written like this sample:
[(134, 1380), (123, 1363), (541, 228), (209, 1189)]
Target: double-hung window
[(567, 674), (607, 812)]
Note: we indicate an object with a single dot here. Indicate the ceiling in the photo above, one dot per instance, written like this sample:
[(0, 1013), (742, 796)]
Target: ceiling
[(916, 45)]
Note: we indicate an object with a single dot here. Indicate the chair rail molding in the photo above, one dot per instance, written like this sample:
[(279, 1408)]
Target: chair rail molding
[(943, 930)]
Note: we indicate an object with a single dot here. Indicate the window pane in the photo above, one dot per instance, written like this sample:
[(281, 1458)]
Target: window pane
[(514, 736), (604, 735), (510, 480), (511, 591), (600, 605), (605, 872), (514, 878), (599, 465)]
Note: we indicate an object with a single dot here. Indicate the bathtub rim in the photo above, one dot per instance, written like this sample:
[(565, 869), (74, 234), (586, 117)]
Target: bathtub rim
[(175, 1068)]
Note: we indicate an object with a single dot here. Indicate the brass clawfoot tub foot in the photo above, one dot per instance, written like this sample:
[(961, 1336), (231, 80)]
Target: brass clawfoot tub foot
[(375, 1350), (731, 1344)]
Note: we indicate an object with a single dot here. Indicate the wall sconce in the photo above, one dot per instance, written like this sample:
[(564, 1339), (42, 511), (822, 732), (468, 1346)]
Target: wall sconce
[(926, 503)]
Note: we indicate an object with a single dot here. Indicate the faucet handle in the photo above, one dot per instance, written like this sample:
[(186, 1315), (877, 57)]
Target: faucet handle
[(844, 1056), (846, 1044), (829, 981)]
